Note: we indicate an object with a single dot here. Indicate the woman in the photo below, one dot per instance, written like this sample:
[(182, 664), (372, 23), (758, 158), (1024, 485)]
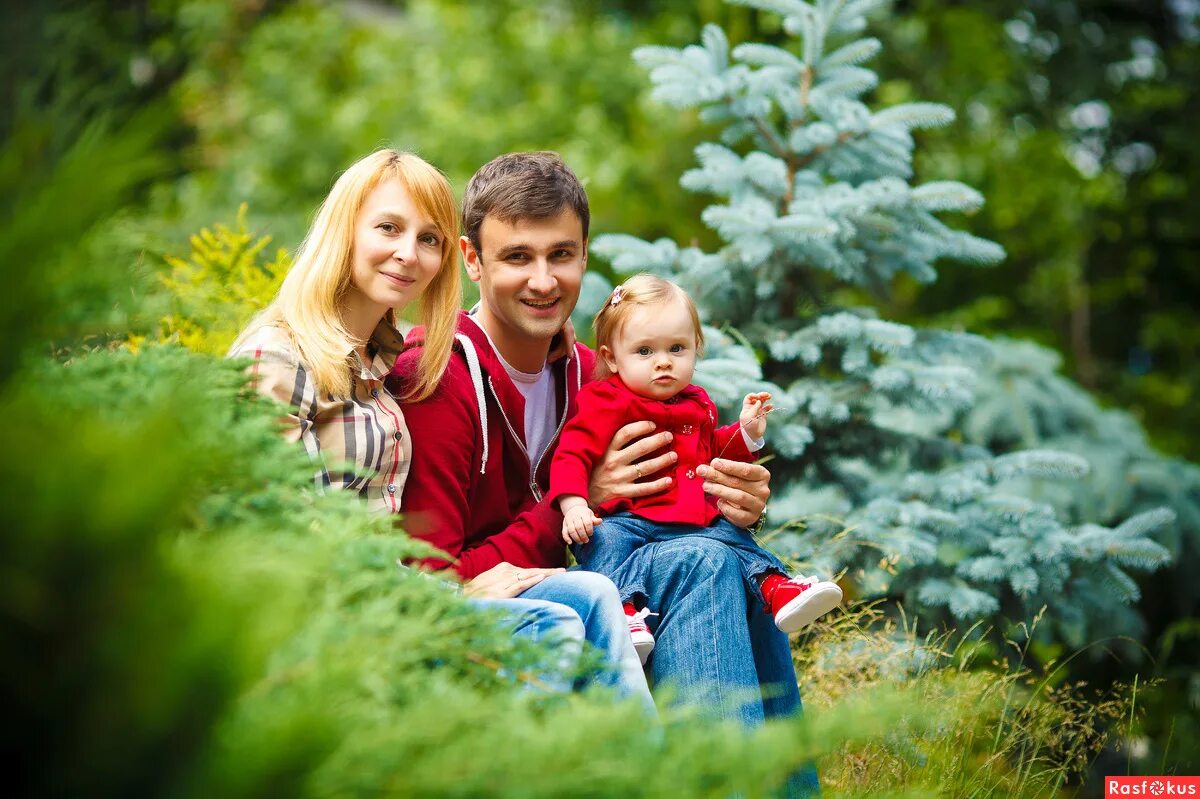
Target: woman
[(386, 235)]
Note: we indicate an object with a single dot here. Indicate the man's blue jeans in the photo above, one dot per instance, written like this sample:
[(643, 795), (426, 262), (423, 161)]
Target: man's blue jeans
[(619, 535), (716, 647), (581, 606)]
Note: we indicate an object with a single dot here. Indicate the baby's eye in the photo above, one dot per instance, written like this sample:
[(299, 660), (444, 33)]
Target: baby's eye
[(676, 348), (643, 351)]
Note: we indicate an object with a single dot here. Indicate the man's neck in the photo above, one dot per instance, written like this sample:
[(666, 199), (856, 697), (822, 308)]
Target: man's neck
[(520, 352)]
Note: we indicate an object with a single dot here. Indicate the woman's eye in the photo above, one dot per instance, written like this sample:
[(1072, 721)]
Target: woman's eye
[(431, 239), (643, 351), (388, 227), (676, 348)]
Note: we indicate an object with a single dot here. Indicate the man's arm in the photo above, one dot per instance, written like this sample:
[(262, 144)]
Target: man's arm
[(436, 502)]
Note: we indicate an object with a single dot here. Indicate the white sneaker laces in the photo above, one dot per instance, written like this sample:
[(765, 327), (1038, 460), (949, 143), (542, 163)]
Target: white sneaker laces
[(639, 619)]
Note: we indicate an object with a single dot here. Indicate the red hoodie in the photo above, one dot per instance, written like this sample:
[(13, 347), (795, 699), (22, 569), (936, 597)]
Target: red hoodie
[(471, 490)]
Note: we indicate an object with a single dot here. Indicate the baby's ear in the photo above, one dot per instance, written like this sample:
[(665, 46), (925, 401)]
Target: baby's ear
[(606, 354)]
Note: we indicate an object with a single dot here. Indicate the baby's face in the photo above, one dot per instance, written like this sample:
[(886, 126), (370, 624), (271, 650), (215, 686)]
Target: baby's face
[(655, 350)]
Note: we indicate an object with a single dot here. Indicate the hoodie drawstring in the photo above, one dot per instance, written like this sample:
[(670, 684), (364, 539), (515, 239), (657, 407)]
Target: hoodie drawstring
[(477, 380)]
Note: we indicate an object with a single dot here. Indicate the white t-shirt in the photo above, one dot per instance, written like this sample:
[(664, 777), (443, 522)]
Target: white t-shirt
[(540, 424), (540, 413)]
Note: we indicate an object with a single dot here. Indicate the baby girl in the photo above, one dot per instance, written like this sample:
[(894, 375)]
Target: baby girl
[(648, 336)]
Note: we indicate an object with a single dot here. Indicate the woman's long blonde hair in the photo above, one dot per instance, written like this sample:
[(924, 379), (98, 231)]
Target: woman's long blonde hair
[(309, 300)]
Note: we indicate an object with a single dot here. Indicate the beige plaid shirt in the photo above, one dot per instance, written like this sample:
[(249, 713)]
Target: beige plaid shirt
[(360, 443)]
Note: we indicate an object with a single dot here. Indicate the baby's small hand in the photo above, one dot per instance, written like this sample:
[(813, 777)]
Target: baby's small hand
[(755, 408), (578, 523)]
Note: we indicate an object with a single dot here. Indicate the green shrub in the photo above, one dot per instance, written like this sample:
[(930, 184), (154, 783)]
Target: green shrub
[(217, 289)]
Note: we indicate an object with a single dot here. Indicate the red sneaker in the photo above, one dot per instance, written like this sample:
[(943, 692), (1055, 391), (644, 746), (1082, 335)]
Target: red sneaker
[(643, 639), (798, 601)]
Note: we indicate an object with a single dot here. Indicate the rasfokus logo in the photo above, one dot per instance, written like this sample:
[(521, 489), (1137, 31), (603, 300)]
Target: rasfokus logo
[(1151, 786)]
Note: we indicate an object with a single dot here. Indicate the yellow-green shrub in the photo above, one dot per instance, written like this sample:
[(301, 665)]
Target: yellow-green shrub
[(219, 286)]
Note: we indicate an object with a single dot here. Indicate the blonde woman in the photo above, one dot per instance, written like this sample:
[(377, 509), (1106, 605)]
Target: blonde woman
[(383, 237), (386, 235)]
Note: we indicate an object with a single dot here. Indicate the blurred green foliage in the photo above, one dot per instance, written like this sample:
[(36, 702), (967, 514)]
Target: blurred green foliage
[(1076, 122)]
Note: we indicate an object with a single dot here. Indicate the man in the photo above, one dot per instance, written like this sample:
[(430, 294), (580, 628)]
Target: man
[(482, 446)]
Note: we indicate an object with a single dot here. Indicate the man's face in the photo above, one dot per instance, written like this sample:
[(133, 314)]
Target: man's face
[(528, 273)]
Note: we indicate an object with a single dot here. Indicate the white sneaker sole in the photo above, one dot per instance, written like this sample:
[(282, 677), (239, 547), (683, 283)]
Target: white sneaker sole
[(643, 644), (814, 603)]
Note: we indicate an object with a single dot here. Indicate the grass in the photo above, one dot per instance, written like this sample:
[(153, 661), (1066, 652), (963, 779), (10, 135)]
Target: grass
[(1018, 734)]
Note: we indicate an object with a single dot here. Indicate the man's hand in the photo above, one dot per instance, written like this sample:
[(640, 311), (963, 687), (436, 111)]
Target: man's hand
[(755, 408), (578, 520), (505, 581), (741, 489), (617, 474), (563, 343)]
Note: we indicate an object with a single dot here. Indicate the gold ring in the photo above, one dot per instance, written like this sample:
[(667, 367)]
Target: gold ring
[(637, 468)]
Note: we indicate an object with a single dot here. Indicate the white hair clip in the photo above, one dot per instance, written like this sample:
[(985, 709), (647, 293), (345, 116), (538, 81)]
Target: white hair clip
[(616, 295)]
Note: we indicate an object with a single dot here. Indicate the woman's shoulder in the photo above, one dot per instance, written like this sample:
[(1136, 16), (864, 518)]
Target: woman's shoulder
[(268, 341)]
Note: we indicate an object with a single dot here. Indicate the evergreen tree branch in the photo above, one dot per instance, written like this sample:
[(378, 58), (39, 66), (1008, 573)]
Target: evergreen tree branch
[(817, 152)]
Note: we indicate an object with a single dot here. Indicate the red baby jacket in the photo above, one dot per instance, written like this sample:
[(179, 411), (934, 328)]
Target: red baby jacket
[(605, 406)]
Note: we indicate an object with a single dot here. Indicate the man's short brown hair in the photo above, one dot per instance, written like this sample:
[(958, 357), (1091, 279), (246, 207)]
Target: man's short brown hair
[(521, 186)]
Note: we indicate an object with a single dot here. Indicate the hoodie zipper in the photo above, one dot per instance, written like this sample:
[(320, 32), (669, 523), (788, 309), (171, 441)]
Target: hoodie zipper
[(562, 422), (533, 487)]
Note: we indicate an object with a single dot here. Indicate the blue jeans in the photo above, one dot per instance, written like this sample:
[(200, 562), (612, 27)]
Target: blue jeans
[(616, 538), (580, 606), (716, 647)]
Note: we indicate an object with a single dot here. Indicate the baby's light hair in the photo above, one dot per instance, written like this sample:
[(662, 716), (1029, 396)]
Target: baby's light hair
[(639, 291)]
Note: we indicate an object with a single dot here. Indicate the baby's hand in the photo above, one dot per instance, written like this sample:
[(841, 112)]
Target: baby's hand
[(578, 523), (755, 408)]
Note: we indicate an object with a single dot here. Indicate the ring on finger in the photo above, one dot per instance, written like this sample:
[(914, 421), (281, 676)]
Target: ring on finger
[(637, 467)]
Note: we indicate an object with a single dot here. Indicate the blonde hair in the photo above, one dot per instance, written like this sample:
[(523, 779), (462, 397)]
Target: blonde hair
[(309, 300), (639, 291)]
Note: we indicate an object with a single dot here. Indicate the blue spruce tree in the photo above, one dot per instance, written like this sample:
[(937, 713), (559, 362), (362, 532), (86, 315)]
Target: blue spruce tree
[(818, 212)]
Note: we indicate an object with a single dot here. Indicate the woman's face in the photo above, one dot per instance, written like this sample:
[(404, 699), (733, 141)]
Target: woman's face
[(397, 249)]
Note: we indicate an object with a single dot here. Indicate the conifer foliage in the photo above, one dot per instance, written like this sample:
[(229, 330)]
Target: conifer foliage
[(818, 210)]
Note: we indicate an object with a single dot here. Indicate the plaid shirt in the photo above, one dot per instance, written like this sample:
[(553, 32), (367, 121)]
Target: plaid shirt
[(360, 443)]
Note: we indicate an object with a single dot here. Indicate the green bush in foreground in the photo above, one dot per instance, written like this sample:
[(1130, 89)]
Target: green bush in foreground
[(187, 618)]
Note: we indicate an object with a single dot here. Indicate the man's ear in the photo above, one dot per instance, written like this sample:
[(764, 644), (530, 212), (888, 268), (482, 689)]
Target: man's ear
[(607, 354), (585, 244), (470, 258)]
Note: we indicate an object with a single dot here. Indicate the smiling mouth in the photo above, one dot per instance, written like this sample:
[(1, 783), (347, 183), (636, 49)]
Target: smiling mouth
[(399, 280), (541, 305)]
